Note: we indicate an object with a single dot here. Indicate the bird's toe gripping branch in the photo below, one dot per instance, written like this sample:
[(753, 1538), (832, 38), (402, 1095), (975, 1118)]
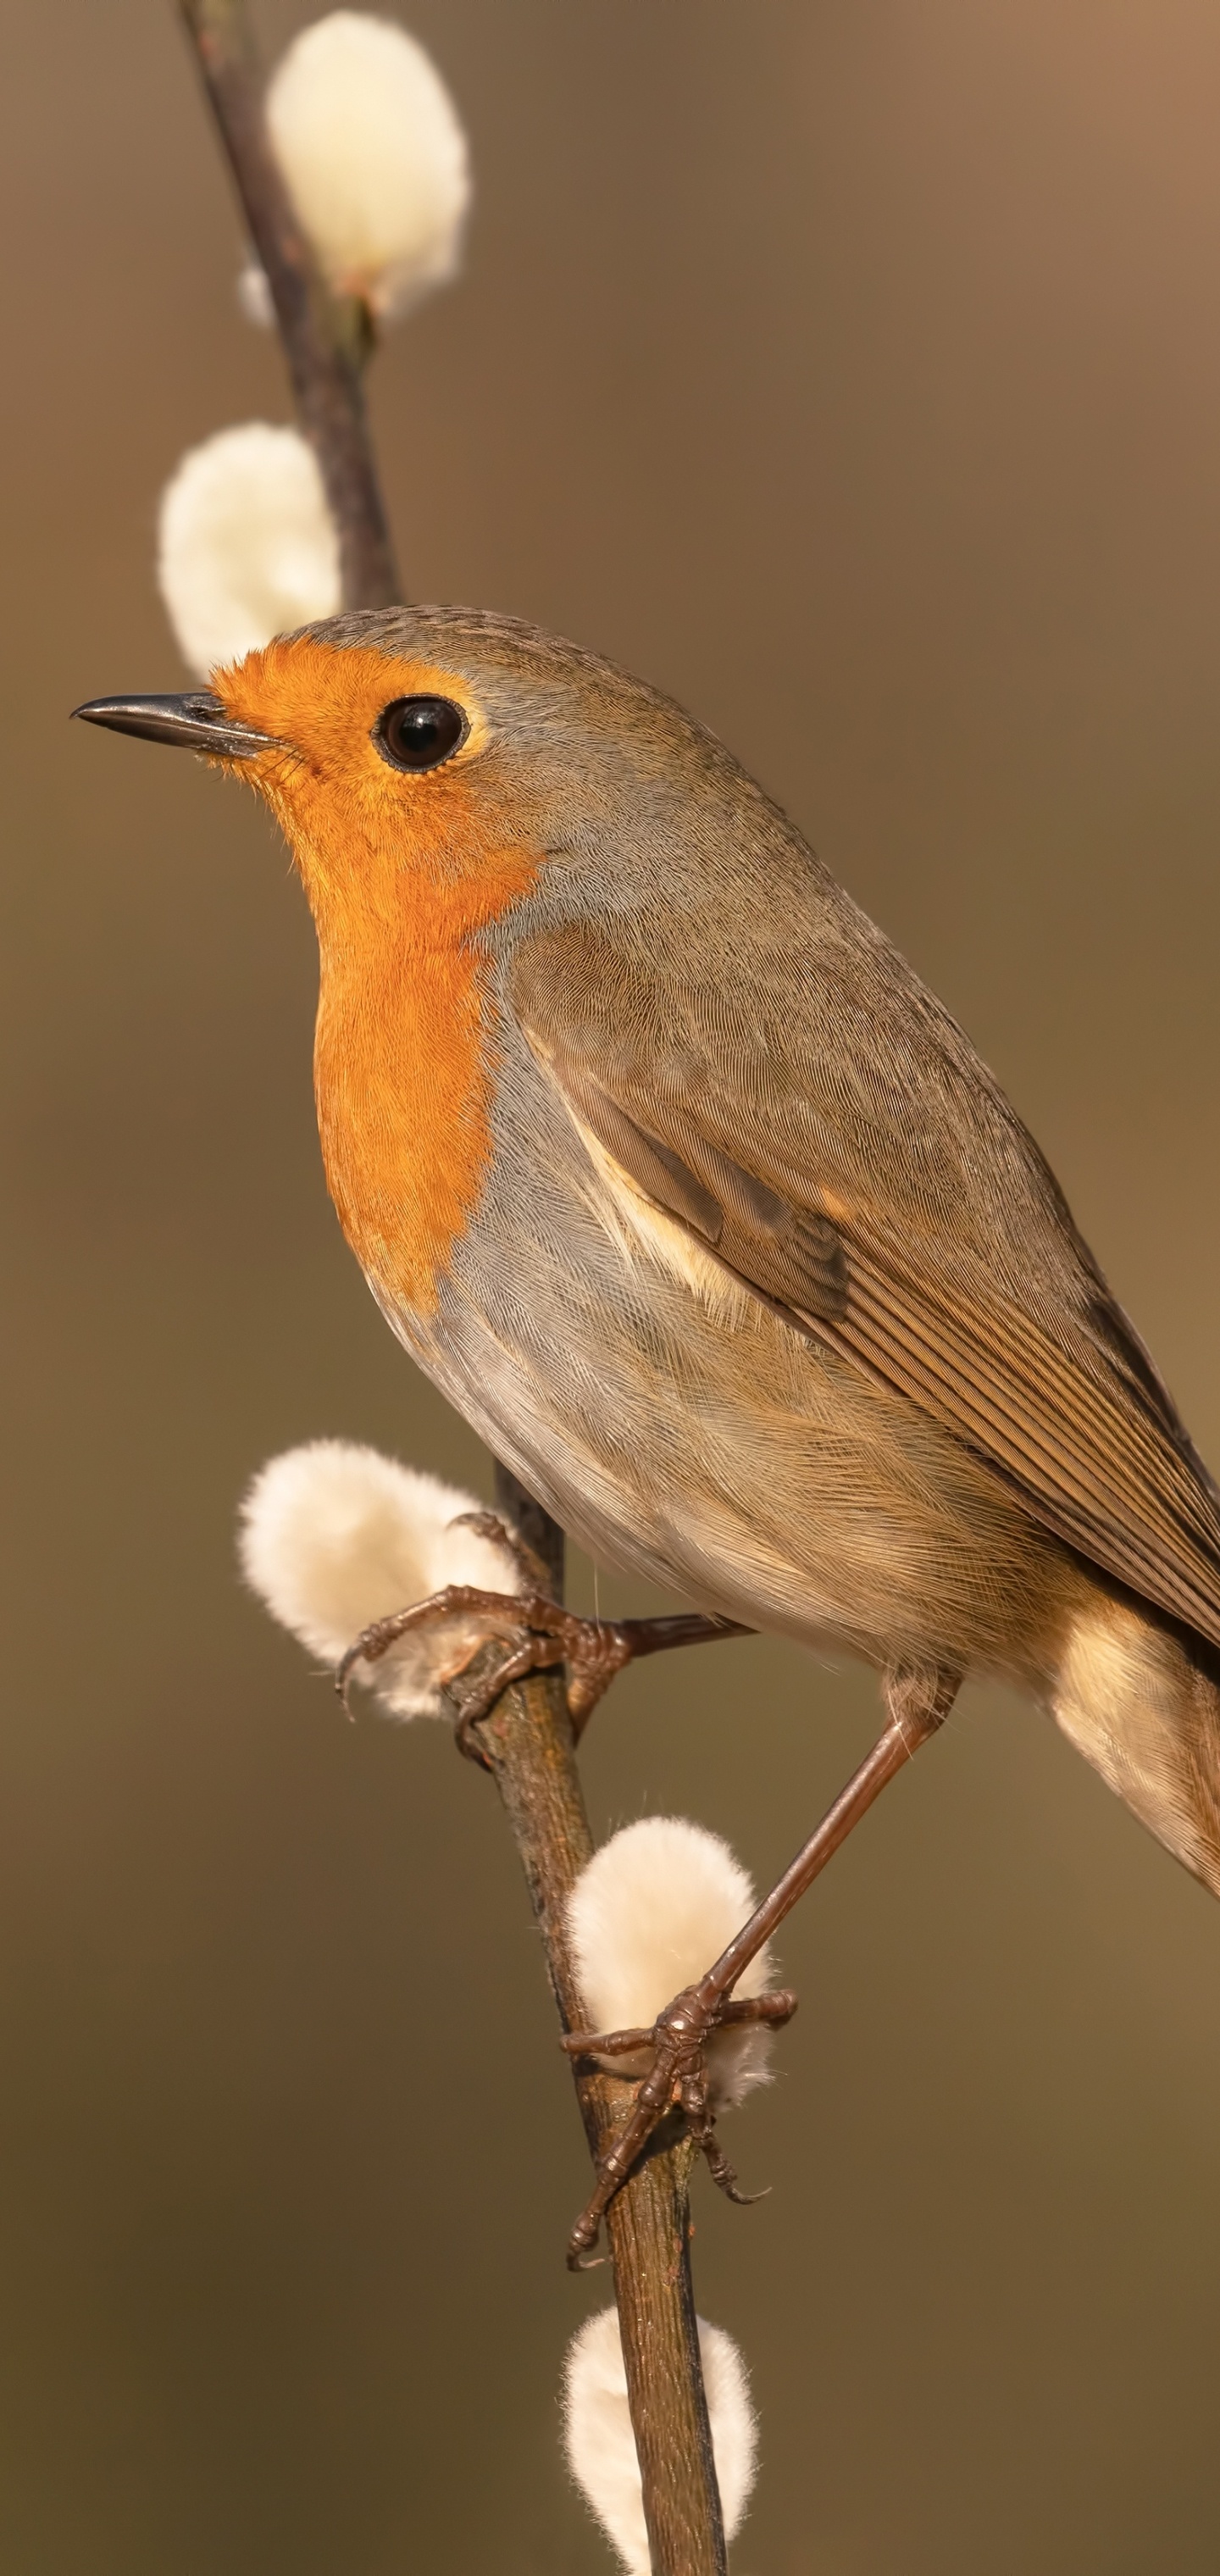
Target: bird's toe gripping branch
[(677, 2080), (536, 1634)]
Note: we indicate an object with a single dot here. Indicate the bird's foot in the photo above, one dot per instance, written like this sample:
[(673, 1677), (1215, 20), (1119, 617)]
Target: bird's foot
[(536, 1634), (677, 2080)]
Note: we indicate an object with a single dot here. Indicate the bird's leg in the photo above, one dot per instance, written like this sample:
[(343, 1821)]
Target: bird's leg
[(918, 1701), (537, 1632)]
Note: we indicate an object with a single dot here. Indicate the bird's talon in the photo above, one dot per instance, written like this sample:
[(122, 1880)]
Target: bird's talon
[(536, 1633), (677, 2079), (529, 1625)]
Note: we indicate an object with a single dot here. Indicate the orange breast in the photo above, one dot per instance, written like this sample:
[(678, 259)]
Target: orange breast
[(403, 1069), (401, 873)]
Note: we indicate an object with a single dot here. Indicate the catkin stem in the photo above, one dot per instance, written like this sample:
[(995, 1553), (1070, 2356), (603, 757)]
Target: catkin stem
[(528, 1741), (325, 337), (527, 1735)]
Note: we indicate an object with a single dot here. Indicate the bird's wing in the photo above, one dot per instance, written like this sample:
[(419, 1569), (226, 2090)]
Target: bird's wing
[(894, 1207)]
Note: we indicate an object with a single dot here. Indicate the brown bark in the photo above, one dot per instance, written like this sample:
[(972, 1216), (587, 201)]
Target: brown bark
[(326, 338), (527, 1735), (528, 1741)]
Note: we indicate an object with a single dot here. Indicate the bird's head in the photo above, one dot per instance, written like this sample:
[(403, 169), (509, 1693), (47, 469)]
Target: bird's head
[(433, 748)]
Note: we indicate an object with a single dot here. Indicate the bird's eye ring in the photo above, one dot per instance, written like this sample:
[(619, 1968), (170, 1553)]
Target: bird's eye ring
[(419, 733)]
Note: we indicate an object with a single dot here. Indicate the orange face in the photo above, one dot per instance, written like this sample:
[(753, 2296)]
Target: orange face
[(351, 816), (401, 868)]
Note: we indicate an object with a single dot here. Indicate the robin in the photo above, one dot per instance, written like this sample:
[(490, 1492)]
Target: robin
[(667, 1168)]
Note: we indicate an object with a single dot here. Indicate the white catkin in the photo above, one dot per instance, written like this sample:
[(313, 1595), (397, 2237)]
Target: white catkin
[(247, 547), (375, 159), (334, 1535), (600, 2444), (649, 1913)]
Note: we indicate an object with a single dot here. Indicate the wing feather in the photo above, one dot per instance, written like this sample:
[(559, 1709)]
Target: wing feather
[(1042, 1377)]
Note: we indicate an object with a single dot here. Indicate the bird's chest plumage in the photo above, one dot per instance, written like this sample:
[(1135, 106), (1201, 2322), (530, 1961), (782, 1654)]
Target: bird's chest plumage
[(404, 1071)]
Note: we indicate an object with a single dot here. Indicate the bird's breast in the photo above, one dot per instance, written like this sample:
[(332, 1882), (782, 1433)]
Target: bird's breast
[(404, 1069)]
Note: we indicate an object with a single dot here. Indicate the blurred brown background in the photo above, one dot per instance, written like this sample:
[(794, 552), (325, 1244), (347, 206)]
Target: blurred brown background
[(855, 374)]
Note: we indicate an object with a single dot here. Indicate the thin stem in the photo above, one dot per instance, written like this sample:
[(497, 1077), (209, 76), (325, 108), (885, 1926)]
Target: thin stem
[(536, 1527), (326, 338), (528, 1741), (527, 1736)]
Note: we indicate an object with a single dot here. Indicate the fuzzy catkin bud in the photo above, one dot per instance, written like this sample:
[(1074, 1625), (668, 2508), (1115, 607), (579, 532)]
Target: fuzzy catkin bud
[(334, 1535), (375, 160), (648, 1914), (600, 2444), (247, 547)]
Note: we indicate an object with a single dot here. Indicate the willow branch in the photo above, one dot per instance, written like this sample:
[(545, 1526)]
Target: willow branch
[(528, 1742), (326, 338), (527, 1735)]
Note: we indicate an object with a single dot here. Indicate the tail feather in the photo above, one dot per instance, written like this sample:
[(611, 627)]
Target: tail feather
[(1141, 1701)]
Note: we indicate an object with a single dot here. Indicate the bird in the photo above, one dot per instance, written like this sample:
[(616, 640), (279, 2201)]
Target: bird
[(667, 1168)]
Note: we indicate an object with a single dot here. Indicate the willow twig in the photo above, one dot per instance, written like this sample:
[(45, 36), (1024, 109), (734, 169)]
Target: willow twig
[(527, 1736), (527, 1739), (326, 338)]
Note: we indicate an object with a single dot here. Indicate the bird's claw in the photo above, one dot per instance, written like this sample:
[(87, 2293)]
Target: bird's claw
[(677, 2080), (537, 1634)]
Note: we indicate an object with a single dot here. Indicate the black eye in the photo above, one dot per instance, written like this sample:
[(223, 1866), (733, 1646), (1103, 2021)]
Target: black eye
[(418, 733)]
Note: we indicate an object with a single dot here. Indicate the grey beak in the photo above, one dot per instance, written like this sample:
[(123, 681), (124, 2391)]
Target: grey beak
[(197, 721)]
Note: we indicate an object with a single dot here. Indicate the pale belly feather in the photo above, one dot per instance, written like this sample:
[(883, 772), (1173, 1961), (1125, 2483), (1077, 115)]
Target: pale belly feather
[(678, 1428)]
